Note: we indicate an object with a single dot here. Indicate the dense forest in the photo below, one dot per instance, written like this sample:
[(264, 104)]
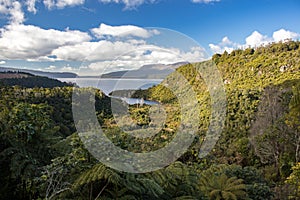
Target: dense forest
[(24, 79), (256, 157)]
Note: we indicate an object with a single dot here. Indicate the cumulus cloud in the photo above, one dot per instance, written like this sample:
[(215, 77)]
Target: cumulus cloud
[(122, 31), (2, 62), (91, 51), (5, 5), (145, 55), (129, 4), (204, 1), (32, 43), (282, 35), (13, 9), (29, 42), (62, 3), (225, 45), (17, 15), (126, 53), (255, 39), (31, 6)]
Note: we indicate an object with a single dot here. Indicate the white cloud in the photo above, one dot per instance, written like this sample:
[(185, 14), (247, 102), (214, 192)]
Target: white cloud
[(51, 67), (110, 66), (196, 54), (91, 51), (144, 55), (204, 1), (256, 39), (225, 45), (49, 3), (4, 6), (129, 4), (31, 6), (282, 35), (13, 9), (2, 62), (62, 3), (67, 68), (16, 13), (30, 42), (122, 31), (125, 53)]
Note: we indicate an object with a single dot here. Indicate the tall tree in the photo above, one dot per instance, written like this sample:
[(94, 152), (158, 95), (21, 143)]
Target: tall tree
[(269, 133), (293, 120)]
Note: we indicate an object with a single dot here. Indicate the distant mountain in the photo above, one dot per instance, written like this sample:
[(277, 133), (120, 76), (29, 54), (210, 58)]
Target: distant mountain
[(41, 73), (155, 71)]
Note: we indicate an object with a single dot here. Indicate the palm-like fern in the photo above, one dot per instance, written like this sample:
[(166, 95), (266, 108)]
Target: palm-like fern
[(100, 174), (178, 180), (218, 186), (96, 173), (141, 185)]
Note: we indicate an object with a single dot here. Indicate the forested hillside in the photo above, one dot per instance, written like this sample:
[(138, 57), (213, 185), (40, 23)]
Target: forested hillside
[(23, 79), (256, 157)]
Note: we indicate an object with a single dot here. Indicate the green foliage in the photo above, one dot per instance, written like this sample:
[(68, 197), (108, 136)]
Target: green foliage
[(97, 173), (33, 123), (294, 180), (42, 157), (27, 136), (256, 186), (217, 185), (28, 80)]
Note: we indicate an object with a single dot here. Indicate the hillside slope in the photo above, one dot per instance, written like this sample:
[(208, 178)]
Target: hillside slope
[(28, 80), (251, 77), (40, 73)]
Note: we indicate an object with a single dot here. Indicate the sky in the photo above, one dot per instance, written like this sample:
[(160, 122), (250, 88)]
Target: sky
[(91, 37)]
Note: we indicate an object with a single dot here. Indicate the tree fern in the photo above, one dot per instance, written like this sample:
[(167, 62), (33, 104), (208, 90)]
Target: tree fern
[(142, 185), (96, 173), (217, 185)]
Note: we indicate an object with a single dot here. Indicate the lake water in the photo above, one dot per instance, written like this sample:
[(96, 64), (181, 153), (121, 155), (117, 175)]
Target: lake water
[(108, 85)]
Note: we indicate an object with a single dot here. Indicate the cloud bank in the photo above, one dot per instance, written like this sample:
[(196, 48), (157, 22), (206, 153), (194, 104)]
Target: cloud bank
[(106, 48), (255, 39), (18, 41)]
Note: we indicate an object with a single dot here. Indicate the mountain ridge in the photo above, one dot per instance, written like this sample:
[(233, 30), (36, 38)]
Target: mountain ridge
[(40, 73), (155, 71)]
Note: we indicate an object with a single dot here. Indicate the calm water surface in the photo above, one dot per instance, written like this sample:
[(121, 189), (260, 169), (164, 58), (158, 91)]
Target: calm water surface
[(108, 85)]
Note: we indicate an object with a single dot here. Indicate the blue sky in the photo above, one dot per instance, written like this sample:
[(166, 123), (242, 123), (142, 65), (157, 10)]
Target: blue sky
[(96, 36)]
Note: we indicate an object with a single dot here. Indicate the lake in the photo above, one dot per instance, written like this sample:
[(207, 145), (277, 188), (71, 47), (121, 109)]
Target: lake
[(107, 85)]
